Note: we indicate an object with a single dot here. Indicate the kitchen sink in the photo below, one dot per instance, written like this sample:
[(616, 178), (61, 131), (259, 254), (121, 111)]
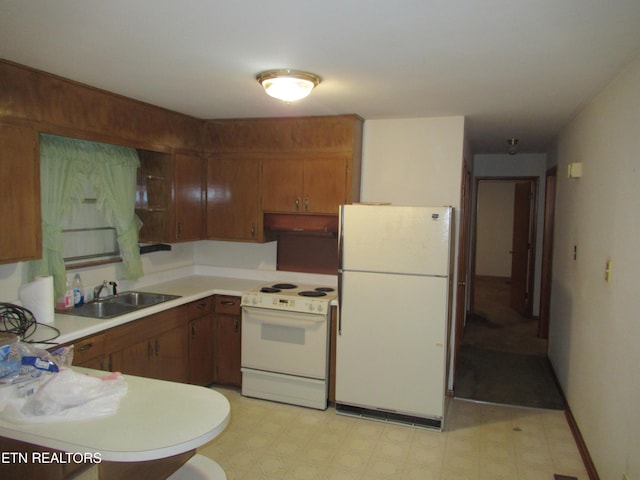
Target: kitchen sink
[(120, 304), (140, 299)]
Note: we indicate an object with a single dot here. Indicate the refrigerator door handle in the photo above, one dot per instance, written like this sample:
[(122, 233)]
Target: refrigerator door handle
[(340, 266), (339, 302)]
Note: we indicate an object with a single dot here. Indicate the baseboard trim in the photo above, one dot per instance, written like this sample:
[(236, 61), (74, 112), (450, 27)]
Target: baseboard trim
[(582, 447), (575, 431)]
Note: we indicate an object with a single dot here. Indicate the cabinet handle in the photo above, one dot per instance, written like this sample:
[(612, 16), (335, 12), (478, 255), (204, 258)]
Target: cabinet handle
[(157, 347), (149, 350), (193, 330), (297, 203), (85, 347), (227, 302), (253, 230), (306, 204), (201, 306), (236, 324), (179, 229)]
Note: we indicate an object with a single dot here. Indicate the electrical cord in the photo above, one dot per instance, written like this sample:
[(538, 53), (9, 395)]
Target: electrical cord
[(20, 321)]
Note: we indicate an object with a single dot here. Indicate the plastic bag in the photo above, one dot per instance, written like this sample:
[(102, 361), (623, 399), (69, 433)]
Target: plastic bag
[(65, 396), (21, 362)]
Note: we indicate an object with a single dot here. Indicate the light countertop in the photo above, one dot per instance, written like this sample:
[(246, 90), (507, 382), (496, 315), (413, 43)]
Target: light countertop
[(152, 422), (190, 285)]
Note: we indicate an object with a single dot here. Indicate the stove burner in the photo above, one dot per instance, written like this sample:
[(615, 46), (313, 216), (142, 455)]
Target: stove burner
[(312, 293), (284, 286), (270, 290), (324, 289)]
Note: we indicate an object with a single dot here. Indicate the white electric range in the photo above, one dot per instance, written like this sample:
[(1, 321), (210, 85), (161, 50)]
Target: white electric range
[(285, 343)]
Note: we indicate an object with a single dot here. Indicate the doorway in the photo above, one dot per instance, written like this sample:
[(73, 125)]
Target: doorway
[(502, 359)]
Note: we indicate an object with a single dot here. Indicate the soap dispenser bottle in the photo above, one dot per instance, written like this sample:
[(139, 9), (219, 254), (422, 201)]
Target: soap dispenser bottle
[(78, 291)]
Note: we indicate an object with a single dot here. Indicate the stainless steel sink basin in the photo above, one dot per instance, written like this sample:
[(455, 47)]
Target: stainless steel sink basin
[(102, 309), (122, 303), (140, 299)]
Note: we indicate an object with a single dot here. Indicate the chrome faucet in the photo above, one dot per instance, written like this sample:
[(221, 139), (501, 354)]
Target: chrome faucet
[(97, 290)]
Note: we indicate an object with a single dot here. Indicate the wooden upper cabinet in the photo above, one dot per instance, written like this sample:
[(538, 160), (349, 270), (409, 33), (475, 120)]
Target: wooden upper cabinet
[(326, 183), (170, 197), (310, 165), (20, 194), (282, 185), (309, 184), (188, 183), (233, 198)]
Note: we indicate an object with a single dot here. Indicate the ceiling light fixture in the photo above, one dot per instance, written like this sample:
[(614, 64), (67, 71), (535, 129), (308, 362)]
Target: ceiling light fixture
[(288, 85), (513, 146)]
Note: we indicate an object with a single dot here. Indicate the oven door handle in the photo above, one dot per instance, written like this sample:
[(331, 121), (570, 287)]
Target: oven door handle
[(278, 317)]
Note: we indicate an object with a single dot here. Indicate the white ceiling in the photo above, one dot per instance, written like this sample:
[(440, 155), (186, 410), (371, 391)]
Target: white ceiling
[(514, 68)]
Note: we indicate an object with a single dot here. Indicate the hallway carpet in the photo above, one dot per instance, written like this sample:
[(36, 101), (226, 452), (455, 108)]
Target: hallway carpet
[(506, 378), (501, 359)]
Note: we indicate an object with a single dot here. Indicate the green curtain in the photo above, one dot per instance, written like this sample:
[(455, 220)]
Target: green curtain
[(64, 162), (115, 184)]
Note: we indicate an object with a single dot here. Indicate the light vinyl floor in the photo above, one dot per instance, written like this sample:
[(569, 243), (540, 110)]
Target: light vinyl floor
[(268, 441)]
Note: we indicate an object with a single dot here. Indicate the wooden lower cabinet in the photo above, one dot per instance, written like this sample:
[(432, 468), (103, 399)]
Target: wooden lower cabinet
[(228, 327), (197, 343), (163, 357), (90, 353), (155, 346), (202, 342)]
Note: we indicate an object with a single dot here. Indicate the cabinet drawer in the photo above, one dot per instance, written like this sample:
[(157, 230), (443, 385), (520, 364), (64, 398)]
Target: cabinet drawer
[(200, 308), (227, 304), (88, 348)]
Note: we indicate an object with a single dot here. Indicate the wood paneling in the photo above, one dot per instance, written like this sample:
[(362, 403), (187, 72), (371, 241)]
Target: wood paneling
[(336, 133), (69, 108)]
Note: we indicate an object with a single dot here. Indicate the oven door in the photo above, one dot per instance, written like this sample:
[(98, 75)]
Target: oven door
[(286, 342)]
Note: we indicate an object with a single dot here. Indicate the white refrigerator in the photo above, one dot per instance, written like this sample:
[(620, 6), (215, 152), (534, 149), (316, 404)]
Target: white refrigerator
[(394, 290)]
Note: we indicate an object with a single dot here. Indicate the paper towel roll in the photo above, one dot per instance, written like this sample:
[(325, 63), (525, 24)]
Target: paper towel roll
[(37, 296)]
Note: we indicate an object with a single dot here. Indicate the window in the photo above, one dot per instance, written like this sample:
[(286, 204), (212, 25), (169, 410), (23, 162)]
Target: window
[(86, 235), (88, 197)]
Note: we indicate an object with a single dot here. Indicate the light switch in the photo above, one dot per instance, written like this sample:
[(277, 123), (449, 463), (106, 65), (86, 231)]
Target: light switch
[(607, 272)]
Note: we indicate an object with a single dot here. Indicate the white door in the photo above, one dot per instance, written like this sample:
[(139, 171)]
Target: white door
[(391, 344), (395, 239), (284, 342)]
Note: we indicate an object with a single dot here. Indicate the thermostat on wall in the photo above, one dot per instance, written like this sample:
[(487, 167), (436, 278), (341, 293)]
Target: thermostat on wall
[(574, 170)]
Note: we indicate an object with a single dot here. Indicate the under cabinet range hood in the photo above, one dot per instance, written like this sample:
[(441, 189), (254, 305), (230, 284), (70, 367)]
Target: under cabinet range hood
[(306, 243), (293, 222)]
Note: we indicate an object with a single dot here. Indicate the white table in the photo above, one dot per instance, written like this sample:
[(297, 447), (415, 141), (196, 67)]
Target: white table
[(155, 419)]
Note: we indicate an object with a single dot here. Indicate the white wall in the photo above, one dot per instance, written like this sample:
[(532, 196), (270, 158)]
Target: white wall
[(520, 165), (494, 228), (595, 325), (414, 161)]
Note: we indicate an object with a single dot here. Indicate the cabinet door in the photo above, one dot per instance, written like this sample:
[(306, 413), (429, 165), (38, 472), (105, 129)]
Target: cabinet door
[(233, 198), (91, 353), (324, 184), (96, 363), (228, 351), (282, 185), (136, 359), (171, 355), (164, 357), (19, 195), (201, 351), (189, 199)]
